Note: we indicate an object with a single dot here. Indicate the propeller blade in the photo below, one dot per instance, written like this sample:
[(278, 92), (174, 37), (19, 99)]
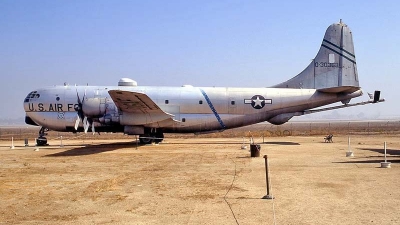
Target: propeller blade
[(77, 95), (93, 131), (85, 124), (77, 122)]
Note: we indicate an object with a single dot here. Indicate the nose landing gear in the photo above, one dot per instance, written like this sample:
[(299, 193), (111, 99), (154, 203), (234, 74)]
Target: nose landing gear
[(42, 140)]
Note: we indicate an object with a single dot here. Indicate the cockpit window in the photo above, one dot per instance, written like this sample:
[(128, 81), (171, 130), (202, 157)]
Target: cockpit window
[(31, 95)]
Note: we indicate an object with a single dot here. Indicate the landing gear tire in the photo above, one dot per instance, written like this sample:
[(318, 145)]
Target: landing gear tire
[(41, 141), (159, 137), (150, 138), (145, 139)]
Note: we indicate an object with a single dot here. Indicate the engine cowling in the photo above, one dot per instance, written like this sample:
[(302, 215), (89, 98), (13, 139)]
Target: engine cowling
[(94, 107), (101, 110)]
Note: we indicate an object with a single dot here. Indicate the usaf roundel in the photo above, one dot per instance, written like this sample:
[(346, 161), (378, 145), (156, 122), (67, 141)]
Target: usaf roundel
[(258, 101)]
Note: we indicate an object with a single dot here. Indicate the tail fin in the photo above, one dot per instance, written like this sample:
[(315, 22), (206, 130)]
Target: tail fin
[(334, 68)]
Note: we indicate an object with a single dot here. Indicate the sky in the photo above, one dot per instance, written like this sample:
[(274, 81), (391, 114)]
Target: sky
[(237, 43)]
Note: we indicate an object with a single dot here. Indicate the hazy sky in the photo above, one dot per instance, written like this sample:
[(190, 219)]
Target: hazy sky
[(202, 43)]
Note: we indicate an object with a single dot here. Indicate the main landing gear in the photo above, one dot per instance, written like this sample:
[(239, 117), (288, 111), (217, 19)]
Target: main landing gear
[(42, 140), (151, 137)]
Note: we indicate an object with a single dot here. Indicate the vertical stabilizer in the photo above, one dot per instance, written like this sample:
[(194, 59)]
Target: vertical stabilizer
[(333, 67)]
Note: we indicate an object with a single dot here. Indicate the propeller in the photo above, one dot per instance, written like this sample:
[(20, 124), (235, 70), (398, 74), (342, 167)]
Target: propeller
[(81, 117)]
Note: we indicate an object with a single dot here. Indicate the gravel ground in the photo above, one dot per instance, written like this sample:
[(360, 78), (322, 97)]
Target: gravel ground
[(201, 181)]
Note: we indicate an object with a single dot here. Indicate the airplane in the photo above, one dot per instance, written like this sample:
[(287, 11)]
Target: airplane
[(151, 111)]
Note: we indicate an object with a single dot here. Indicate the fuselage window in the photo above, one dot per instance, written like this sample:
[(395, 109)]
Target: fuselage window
[(233, 103), (200, 102), (166, 101), (183, 119)]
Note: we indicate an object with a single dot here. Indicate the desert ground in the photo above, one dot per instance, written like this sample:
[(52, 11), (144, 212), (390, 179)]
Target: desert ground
[(200, 180)]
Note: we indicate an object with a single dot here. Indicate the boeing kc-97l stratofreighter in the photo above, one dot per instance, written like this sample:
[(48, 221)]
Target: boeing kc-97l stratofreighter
[(152, 111)]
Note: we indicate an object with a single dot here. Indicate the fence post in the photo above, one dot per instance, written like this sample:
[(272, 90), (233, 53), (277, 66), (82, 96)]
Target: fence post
[(368, 128), (387, 126), (291, 128), (268, 196), (348, 128)]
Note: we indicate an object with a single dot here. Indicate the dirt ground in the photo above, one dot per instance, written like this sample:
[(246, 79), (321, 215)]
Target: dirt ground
[(201, 181)]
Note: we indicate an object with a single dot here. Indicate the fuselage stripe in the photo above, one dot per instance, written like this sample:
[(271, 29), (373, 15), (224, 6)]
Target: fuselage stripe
[(339, 53), (213, 109), (339, 48)]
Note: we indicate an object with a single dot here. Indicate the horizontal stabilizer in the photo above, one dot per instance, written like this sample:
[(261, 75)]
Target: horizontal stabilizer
[(306, 112), (341, 89)]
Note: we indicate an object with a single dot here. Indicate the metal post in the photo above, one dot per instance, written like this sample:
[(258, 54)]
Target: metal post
[(348, 128), (385, 164), (387, 125), (268, 196), (61, 144), (349, 144), (291, 128), (349, 153), (12, 143), (385, 151)]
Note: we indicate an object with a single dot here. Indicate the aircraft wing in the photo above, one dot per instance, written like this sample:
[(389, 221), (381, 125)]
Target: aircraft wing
[(134, 102), (145, 110)]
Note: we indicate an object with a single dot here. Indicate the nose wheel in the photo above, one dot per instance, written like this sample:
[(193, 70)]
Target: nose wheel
[(42, 140)]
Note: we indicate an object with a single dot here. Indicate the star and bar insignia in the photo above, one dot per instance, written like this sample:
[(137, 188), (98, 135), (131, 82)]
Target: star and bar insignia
[(258, 101)]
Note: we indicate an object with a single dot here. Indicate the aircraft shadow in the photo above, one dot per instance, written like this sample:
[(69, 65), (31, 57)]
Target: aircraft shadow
[(377, 158), (382, 151), (202, 143), (280, 143), (94, 149), (371, 161)]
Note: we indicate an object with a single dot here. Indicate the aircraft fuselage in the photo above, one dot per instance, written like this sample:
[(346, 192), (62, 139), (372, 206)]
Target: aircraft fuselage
[(193, 109)]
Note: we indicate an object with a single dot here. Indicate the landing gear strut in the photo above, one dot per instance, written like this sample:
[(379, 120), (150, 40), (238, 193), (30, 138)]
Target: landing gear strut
[(42, 140)]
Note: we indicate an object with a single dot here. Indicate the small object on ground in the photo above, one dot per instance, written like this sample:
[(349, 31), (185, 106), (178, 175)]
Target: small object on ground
[(329, 138)]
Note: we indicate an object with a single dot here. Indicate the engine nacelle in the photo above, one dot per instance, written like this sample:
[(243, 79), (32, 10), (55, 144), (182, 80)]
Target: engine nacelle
[(94, 107), (281, 118), (102, 110)]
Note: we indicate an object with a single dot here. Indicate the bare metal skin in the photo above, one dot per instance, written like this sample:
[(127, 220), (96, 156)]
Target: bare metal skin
[(151, 111)]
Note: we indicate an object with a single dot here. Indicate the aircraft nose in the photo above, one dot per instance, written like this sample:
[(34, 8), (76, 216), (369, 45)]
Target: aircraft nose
[(32, 95)]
